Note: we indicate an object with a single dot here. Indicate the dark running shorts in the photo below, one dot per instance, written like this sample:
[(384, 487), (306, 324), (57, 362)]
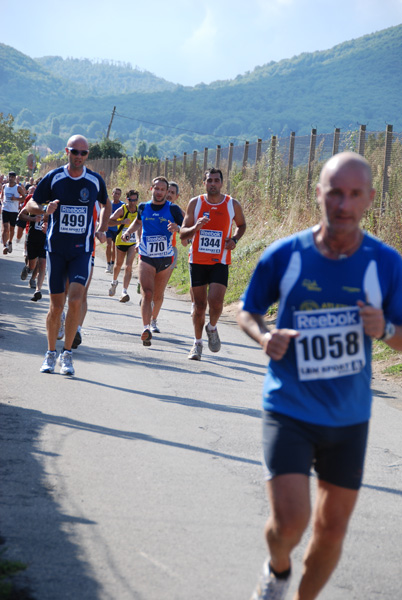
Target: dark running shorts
[(207, 274), (111, 234), (74, 267), (10, 217), (125, 248), (160, 264), (36, 249), (292, 446)]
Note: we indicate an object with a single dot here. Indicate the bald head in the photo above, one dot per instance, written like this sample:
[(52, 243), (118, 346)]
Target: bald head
[(346, 160), (77, 139)]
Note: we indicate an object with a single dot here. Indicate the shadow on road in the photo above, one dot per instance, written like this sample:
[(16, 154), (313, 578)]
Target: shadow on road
[(36, 532)]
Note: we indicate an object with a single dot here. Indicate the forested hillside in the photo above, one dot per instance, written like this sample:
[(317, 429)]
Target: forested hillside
[(105, 77), (357, 82)]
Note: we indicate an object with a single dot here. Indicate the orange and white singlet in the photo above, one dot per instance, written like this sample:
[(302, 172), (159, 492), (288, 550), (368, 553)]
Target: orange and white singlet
[(208, 247)]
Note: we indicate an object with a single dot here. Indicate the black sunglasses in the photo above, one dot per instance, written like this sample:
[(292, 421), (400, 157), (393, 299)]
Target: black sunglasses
[(76, 152)]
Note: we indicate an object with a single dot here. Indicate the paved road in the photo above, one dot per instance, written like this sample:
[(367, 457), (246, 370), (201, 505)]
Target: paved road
[(140, 478)]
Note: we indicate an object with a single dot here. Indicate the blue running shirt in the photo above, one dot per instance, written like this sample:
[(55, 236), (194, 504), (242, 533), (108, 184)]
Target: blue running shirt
[(71, 226), (324, 378)]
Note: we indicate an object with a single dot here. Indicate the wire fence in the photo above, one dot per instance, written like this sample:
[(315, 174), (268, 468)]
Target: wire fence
[(291, 153)]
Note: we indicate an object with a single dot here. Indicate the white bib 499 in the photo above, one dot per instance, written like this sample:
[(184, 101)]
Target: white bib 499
[(73, 219), (331, 343)]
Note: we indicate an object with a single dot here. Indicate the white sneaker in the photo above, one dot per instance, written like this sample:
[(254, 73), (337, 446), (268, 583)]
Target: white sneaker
[(112, 289), (66, 363), (60, 335), (154, 326), (49, 363), (124, 297), (214, 343), (195, 352), (108, 268), (270, 587)]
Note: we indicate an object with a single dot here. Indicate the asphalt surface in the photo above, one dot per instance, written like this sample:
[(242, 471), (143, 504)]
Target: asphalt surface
[(140, 477)]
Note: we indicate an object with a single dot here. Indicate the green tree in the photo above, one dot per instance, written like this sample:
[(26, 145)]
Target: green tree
[(13, 144), (141, 149), (153, 151), (107, 148)]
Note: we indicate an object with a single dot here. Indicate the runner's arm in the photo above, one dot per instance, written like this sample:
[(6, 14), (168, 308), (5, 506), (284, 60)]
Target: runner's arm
[(240, 222), (189, 226)]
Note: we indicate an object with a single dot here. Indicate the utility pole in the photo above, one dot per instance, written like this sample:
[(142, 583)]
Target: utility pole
[(110, 124)]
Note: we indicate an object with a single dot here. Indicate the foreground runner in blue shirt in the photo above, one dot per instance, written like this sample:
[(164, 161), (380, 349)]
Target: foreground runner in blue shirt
[(338, 288), (68, 195)]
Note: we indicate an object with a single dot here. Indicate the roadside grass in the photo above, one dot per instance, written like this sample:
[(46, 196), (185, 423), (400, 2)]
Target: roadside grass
[(9, 568)]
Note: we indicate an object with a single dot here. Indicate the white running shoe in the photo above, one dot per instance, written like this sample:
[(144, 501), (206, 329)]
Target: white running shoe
[(66, 363), (112, 289), (214, 343), (270, 587), (154, 326), (60, 335), (49, 363), (108, 268), (195, 352), (124, 297)]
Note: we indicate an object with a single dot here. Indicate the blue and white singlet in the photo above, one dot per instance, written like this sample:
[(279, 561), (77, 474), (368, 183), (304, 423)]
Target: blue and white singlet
[(324, 377)]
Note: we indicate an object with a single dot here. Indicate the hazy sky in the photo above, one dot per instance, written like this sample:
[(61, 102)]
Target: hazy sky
[(190, 41)]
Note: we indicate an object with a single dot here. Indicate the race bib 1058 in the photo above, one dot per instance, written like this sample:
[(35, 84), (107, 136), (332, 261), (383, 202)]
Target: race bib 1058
[(331, 343)]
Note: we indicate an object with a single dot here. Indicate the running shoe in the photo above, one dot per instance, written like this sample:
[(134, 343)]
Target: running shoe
[(66, 363), (60, 335), (37, 296), (214, 343), (5, 250), (195, 352), (270, 587), (108, 268), (146, 337), (112, 289), (32, 283), (124, 297), (9, 247), (154, 326), (77, 340), (49, 363), (24, 272)]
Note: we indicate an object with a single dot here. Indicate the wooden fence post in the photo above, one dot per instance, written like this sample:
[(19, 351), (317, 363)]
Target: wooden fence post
[(335, 145), (230, 164), (245, 157), (362, 139), (291, 155), (387, 164), (272, 156), (142, 179), (194, 169), (167, 168), (174, 167), (205, 164), (311, 159), (218, 157), (258, 151), (184, 163)]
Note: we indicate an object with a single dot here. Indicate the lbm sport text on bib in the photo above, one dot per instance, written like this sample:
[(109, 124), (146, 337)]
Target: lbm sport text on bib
[(331, 343)]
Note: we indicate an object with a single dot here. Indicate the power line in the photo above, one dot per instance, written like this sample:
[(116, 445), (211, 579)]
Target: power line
[(116, 114)]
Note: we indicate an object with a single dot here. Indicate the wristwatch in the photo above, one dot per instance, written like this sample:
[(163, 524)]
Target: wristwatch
[(389, 331), (234, 240)]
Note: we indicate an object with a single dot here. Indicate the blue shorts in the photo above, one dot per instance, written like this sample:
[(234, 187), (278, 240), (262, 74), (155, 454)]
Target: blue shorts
[(76, 267), (293, 446), (111, 234)]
